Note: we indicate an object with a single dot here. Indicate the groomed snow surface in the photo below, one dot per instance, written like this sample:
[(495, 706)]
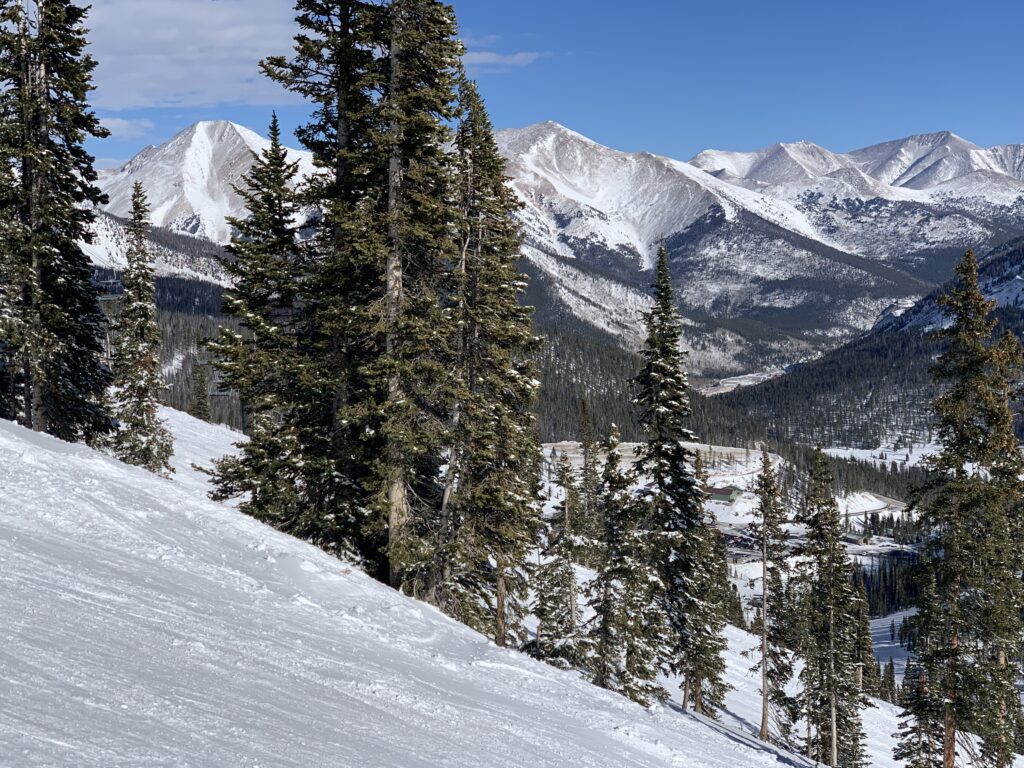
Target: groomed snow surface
[(146, 626)]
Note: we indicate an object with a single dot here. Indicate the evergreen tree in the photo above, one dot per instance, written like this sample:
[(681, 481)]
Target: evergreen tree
[(868, 681), (684, 547), (775, 664), (920, 740), (142, 438), (888, 684), (592, 526), (335, 66), (973, 545), (488, 518), (831, 699), (263, 361), (52, 323), (702, 648), (627, 635), (199, 403), (555, 580), (414, 333), (570, 508)]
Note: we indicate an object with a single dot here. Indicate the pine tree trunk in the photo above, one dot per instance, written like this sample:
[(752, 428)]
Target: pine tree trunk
[(33, 79), (686, 692), (397, 490), (698, 694), (499, 608), (834, 757), (949, 737), (764, 637), (453, 474)]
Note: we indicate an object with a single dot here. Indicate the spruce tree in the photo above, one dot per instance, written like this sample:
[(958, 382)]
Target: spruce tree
[(775, 664), (263, 361), (868, 681), (554, 581), (142, 437), (591, 526), (627, 635), (684, 546), (199, 403), (414, 333), (488, 517), (921, 736), (830, 696), (335, 66), (701, 661), (973, 539), (52, 329)]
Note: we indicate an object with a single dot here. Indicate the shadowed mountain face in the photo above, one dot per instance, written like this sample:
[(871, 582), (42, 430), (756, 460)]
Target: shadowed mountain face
[(778, 254)]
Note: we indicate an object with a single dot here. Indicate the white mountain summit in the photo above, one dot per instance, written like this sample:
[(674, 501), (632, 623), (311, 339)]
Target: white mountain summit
[(777, 253), (191, 179)]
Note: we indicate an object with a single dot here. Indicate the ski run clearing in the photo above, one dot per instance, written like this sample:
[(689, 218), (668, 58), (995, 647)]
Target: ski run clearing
[(144, 625)]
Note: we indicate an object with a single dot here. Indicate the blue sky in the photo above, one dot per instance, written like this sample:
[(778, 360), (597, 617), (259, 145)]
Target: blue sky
[(667, 76)]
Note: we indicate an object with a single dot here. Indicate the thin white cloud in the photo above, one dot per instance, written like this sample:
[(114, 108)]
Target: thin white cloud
[(491, 59), (188, 53), (202, 53), (121, 128)]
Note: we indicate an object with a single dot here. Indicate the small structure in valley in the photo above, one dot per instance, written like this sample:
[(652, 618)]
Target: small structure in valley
[(725, 494)]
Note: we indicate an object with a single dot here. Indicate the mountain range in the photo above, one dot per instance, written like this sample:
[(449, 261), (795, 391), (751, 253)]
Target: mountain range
[(778, 254)]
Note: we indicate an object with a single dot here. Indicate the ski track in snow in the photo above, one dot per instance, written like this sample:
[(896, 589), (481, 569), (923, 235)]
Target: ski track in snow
[(147, 626)]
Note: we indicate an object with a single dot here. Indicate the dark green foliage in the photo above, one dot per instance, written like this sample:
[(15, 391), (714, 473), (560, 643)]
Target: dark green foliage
[(142, 437), (199, 404), (627, 636), (775, 664), (707, 594), (261, 360), (554, 581), (488, 519), (685, 549), (920, 733), (336, 68), (404, 376), (829, 698), (969, 624), (51, 327), (869, 682)]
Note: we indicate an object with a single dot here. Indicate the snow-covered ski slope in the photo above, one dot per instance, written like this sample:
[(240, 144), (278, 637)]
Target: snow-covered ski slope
[(143, 625)]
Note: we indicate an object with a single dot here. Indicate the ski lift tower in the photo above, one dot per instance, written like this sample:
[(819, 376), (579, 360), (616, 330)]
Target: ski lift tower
[(111, 293)]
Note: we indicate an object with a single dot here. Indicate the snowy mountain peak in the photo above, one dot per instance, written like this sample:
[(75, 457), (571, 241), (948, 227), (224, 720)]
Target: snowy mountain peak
[(191, 179)]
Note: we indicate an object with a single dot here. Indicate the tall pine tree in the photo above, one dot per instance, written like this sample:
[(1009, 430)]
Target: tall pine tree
[(414, 332), (488, 519), (830, 696), (142, 437), (335, 66), (970, 513), (52, 325), (775, 664), (683, 545), (263, 361), (554, 582), (627, 635)]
